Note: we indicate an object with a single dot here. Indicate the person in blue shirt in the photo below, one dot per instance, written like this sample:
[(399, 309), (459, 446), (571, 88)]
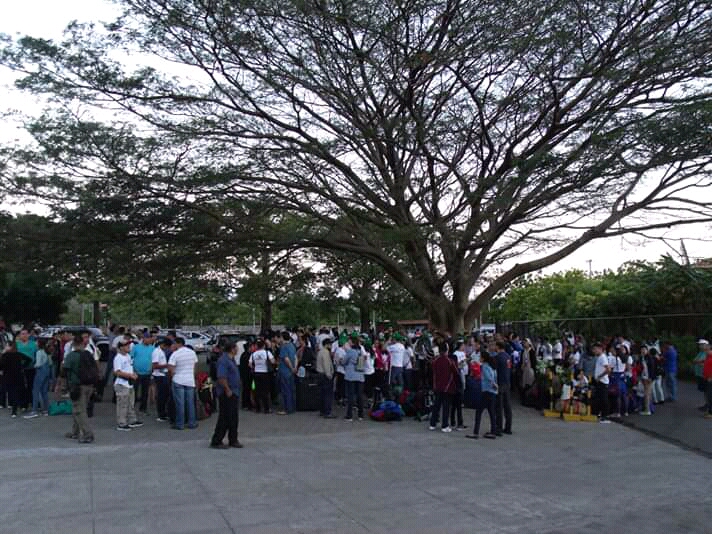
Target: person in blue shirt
[(489, 397), (287, 369), (142, 359), (670, 357), (353, 367), (228, 391)]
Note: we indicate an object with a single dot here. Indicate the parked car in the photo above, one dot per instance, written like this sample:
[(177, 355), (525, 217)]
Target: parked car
[(197, 341)]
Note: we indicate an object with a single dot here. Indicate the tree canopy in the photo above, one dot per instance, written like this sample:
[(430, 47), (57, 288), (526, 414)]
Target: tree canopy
[(456, 144), (643, 300)]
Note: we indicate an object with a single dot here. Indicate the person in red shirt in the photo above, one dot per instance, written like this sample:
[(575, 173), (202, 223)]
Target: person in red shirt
[(445, 377), (707, 377)]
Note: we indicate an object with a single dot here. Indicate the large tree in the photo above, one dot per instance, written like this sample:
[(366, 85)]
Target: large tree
[(458, 144)]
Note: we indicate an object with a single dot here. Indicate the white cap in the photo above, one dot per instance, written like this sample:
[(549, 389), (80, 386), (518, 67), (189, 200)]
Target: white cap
[(703, 342)]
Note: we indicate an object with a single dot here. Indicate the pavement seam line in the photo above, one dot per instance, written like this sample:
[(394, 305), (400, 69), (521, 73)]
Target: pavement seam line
[(206, 491)]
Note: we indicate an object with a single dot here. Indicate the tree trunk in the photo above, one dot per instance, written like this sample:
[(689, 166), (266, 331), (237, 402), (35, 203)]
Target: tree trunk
[(266, 318), (365, 315), (96, 314), (448, 317)]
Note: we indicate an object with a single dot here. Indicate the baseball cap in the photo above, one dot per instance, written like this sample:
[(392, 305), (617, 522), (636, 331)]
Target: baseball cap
[(703, 342)]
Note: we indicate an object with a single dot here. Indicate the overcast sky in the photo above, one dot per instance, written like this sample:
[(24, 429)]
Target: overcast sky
[(47, 18)]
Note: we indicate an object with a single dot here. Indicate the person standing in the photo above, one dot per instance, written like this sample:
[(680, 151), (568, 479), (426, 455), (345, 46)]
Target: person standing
[(325, 370), (353, 362), (259, 362), (601, 373), (287, 369), (141, 356), (12, 365), (445, 377), (124, 389), (707, 375), (28, 347), (489, 397), (670, 357), (159, 362), (398, 354), (458, 356), (228, 391), (503, 363), (181, 367), (40, 387), (79, 393)]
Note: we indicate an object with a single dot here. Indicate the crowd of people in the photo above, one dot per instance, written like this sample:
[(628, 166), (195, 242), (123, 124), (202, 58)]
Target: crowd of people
[(437, 373)]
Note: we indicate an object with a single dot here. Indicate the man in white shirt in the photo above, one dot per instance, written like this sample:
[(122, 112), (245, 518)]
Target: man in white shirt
[(260, 369), (181, 367), (601, 374), (398, 355), (123, 387), (557, 352), (160, 378)]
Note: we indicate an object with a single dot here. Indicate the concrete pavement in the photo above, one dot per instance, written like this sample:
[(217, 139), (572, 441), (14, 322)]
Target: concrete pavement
[(679, 422), (301, 473)]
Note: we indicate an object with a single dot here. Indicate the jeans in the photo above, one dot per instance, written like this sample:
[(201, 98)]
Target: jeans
[(286, 388), (27, 390), (504, 408), (184, 396), (602, 399), (456, 409), (671, 386), (396, 376), (487, 402), (326, 394), (40, 388), (125, 409), (658, 393), (263, 399), (161, 395), (441, 400), (228, 420), (144, 383), (354, 389)]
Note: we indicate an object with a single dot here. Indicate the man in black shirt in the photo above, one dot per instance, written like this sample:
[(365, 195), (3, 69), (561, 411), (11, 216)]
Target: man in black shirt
[(12, 364), (504, 383)]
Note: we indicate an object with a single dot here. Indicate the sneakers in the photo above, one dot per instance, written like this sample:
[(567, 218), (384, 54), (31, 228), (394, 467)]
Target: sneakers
[(472, 436), (604, 421), (447, 430), (31, 415), (14, 416), (124, 428), (490, 435), (348, 419), (90, 439), (460, 427), (136, 424), (432, 428), (218, 446), (161, 419), (646, 413), (69, 435), (236, 445), (360, 418)]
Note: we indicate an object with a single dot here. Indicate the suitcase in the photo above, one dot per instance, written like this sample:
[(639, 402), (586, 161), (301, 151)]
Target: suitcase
[(308, 393)]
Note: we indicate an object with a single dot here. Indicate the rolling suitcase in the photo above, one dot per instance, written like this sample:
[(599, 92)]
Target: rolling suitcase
[(308, 393)]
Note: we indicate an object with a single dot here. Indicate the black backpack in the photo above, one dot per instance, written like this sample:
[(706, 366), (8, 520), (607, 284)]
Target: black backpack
[(88, 371)]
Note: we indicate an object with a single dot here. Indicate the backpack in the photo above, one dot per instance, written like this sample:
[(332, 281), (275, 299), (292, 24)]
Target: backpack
[(88, 371)]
